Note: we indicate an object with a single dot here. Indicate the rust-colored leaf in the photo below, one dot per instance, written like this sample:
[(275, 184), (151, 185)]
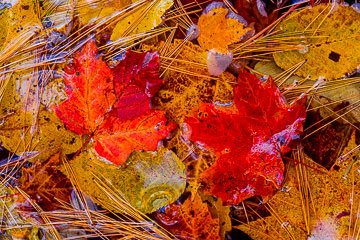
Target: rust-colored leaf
[(44, 183), (190, 220)]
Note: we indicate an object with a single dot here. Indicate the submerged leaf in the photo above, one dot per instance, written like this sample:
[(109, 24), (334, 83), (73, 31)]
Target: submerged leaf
[(331, 49), (149, 180), (248, 141), (45, 184), (190, 220)]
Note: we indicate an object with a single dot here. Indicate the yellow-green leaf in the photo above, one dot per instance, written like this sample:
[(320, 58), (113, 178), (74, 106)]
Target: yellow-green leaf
[(149, 181)]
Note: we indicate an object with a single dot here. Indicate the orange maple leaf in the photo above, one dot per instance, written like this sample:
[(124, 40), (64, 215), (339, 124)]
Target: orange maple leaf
[(112, 105)]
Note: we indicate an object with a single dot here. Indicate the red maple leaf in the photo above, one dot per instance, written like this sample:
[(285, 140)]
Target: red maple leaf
[(248, 141), (112, 105)]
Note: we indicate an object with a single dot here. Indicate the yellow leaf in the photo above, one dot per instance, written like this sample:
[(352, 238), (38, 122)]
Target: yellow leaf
[(50, 135), (142, 20), (17, 26), (90, 11), (332, 48), (27, 125)]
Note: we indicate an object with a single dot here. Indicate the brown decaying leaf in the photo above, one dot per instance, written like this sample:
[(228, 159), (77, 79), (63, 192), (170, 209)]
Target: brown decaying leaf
[(44, 183), (191, 219)]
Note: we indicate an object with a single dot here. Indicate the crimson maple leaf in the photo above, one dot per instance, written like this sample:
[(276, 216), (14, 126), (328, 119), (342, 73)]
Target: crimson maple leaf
[(247, 141), (112, 105)]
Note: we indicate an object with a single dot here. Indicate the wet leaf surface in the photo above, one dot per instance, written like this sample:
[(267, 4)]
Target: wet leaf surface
[(329, 51), (147, 116), (45, 184), (113, 104), (247, 166), (328, 214), (149, 180)]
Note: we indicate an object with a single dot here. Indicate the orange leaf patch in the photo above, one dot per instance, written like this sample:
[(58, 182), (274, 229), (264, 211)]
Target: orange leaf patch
[(219, 27)]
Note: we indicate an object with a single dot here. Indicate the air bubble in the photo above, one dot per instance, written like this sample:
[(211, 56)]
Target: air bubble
[(221, 104), (303, 49), (285, 224)]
